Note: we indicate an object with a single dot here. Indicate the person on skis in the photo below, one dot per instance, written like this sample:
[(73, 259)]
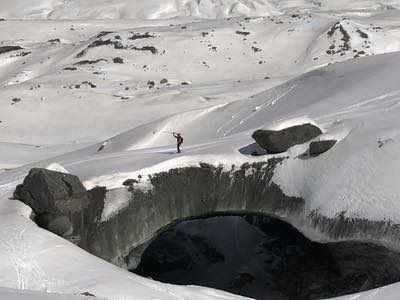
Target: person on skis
[(179, 140)]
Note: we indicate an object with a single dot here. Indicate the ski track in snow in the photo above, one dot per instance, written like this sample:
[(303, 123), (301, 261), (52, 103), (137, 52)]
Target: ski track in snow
[(256, 110), (25, 266)]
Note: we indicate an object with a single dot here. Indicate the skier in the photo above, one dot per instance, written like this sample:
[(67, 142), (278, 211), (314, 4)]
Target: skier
[(179, 140)]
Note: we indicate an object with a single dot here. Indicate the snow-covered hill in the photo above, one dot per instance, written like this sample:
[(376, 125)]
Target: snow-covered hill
[(138, 70), (71, 79), (123, 9), (163, 9)]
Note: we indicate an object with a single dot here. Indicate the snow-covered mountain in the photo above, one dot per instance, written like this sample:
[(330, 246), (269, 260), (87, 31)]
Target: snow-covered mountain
[(75, 75), (162, 9), (123, 9)]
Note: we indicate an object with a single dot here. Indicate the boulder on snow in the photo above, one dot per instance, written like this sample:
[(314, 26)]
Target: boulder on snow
[(61, 203), (118, 60), (51, 191), (319, 147), (281, 140)]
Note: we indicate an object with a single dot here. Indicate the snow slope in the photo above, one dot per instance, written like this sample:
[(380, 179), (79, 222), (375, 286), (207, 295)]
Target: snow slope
[(215, 80), (163, 9), (123, 9), (64, 70), (11, 294)]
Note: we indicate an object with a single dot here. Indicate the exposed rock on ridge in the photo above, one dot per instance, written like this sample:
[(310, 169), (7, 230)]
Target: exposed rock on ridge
[(280, 141), (61, 203)]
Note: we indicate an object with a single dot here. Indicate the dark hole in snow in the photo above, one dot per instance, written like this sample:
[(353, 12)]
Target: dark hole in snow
[(264, 258)]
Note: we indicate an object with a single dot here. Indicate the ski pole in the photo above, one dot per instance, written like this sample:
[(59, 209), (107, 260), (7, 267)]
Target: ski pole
[(169, 132)]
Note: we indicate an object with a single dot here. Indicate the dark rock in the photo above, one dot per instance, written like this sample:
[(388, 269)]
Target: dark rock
[(89, 83), (87, 294), (61, 203), (118, 60), (280, 141), (61, 226), (362, 34), (5, 49), (15, 100), (130, 182), (103, 33), (253, 149), (242, 32), (151, 84), (46, 191), (152, 49), (98, 43), (319, 147), (89, 62), (137, 36)]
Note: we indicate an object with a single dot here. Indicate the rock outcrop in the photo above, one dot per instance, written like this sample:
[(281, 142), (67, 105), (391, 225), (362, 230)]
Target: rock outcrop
[(61, 203), (319, 147), (280, 141)]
